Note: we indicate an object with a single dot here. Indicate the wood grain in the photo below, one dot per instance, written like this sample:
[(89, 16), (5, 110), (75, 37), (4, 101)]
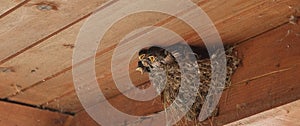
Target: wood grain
[(112, 90), (285, 115), (18, 115), (267, 77), (31, 30), (81, 119), (7, 5), (32, 66), (241, 14), (63, 59), (32, 25), (273, 85)]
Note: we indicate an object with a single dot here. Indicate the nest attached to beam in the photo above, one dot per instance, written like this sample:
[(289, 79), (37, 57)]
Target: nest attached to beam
[(174, 79)]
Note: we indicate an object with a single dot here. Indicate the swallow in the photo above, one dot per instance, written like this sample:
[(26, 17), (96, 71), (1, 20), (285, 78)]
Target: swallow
[(141, 68)]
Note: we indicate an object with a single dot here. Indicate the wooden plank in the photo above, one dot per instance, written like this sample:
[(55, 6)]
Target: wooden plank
[(25, 21), (230, 15), (81, 119), (32, 65), (58, 60), (265, 80), (67, 103), (29, 19), (18, 115), (272, 85), (7, 5), (132, 22), (258, 96), (285, 115), (71, 103)]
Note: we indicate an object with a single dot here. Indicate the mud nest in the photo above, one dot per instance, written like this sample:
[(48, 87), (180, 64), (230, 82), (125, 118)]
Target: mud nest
[(169, 80)]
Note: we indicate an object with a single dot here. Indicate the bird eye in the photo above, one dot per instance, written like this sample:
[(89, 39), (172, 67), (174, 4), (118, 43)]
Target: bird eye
[(141, 57), (151, 58)]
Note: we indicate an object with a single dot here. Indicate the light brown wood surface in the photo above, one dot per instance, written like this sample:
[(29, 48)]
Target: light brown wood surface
[(36, 49), (286, 115), (232, 19), (18, 115), (8, 5), (34, 26), (81, 119)]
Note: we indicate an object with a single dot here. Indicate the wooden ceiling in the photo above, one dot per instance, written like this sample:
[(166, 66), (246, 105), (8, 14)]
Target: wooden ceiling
[(286, 115), (37, 45)]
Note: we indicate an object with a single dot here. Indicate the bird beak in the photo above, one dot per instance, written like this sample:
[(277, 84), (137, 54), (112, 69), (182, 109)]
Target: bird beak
[(140, 70)]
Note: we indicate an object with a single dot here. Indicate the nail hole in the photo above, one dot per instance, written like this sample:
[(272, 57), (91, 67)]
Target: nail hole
[(34, 70), (46, 6)]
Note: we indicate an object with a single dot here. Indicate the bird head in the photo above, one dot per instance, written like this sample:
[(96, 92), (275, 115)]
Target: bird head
[(156, 55), (143, 54)]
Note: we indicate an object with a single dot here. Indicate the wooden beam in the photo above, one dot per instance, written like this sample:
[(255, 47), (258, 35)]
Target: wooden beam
[(18, 115), (25, 21), (232, 17), (286, 115)]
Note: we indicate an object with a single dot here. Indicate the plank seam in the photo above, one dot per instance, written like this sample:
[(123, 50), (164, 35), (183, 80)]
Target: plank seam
[(99, 53), (263, 75), (43, 39), (13, 9), (73, 91), (36, 107), (54, 33), (260, 34)]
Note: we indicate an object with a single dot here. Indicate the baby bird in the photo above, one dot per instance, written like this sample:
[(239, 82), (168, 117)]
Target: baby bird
[(158, 56), (143, 63), (143, 57), (141, 68)]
